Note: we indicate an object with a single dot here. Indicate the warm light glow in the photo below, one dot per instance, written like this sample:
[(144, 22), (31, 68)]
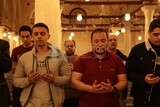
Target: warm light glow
[(70, 38), (139, 37), (117, 33), (4, 34), (15, 38), (79, 17), (72, 34), (87, 0), (9, 33), (123, 30), (127, 17), (9, 36)]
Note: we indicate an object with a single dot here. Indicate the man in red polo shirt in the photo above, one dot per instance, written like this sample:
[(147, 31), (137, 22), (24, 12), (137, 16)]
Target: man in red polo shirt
[(99, 74)]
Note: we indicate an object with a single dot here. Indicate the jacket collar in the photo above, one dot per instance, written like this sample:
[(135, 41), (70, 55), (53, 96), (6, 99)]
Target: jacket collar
[(148, 45), (54, 51)]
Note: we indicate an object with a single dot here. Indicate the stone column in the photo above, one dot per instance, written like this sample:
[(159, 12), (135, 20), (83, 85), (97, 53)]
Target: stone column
[(127, 38), (48, 12), (148, 12), (1, 32), (10, 40)]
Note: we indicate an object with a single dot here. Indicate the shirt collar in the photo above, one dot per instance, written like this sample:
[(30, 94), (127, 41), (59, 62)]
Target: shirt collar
[(148, 46), (105, 57)]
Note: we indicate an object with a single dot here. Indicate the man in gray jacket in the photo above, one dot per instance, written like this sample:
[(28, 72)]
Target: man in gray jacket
[(42, 72)]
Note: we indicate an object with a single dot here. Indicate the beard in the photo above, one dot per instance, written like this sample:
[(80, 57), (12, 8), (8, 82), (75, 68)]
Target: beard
[(69, 52), (99, 50)]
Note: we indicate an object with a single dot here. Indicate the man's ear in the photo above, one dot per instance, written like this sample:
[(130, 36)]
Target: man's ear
[(49, 36)]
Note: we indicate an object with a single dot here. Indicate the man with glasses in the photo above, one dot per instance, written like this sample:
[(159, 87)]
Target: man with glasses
[(27, 45), (143, 69), (71, 94)]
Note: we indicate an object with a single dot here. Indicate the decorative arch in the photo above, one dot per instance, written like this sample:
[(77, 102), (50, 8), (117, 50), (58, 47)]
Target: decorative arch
[(73, 15)]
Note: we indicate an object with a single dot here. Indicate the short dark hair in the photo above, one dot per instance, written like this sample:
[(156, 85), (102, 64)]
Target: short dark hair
[(41, 25), (25, 28), (154, 24), (99, 30), (70, 40)]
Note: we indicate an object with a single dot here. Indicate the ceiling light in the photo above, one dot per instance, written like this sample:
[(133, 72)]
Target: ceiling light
[(123, 30), (79, 17), (9, 36), (127, 17), (139, 37), (15, 38), (70, 37), (72, 34), (4, 34), (117, 33), (87, 0)]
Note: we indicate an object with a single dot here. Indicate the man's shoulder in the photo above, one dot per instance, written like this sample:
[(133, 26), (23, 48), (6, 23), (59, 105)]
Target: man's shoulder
[(26, 54), (4, 44), (121, 55), (3, 41), (140, 45), (18, 47), (86, 55), (77, 56)]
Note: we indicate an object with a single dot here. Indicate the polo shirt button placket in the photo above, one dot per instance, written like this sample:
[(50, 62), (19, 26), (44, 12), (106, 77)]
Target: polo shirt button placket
[(100, 64)]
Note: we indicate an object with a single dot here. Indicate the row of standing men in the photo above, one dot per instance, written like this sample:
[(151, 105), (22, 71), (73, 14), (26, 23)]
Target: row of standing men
[(42, 72)]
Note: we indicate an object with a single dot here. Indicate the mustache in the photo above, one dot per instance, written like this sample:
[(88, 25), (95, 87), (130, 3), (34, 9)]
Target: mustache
[(100, 49)]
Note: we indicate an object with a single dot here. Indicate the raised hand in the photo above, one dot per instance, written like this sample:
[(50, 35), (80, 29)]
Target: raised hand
[(98, 88), (33, 77), (107, 86), (151, 80), (48, 77)]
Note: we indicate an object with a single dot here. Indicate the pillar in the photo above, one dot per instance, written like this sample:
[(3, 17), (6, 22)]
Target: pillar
[(1, 32), (148, 13), (48, 12), (127, 37)]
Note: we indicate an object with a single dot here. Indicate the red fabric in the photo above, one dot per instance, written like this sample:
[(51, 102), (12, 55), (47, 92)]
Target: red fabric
[(18, 51), (101, 70)]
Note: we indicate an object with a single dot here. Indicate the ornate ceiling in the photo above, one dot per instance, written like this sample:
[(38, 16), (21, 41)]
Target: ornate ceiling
[(96, 13), (104, 13)]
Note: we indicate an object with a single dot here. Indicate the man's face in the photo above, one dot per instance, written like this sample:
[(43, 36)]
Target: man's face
[(40, 36), (69, 47), (154, 36), (26, 38), (112, 42), (99, 43)]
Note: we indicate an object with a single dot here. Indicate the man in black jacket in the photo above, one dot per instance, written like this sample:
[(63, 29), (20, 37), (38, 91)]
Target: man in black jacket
[(5, 66), (143, 69)]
